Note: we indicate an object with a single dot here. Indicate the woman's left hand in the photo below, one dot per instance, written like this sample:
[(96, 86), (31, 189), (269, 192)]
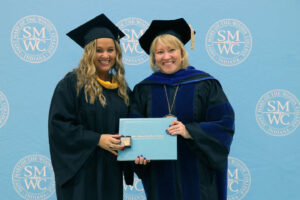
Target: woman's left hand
[(178, 128)]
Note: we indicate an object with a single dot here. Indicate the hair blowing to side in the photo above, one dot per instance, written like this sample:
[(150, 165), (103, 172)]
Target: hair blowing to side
[(87, 75)]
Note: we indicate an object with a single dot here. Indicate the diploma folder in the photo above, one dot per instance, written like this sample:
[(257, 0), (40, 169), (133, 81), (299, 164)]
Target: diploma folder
[(148, 138)]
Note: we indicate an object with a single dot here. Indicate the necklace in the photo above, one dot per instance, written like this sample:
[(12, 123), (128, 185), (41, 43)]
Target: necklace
[(170, 107)]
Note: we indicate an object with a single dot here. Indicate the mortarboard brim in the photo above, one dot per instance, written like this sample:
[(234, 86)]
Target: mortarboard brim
[(178, 28), (98, 27)]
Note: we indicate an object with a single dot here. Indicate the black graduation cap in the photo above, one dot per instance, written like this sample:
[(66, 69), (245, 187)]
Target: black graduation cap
[(98, 27), (177, 27)]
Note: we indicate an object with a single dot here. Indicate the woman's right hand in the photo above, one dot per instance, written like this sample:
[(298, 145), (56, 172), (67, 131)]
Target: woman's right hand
[(140, 160), (111, 143)]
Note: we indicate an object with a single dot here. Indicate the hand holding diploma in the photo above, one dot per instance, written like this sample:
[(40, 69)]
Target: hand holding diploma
[(140, 160), (178, 128)]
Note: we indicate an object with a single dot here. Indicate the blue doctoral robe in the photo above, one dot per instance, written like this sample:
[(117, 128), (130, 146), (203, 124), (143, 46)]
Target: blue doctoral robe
[(200, 172)]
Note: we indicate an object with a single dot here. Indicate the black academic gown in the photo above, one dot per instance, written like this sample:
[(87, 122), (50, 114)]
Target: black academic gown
[(83, 170), (200, 171)]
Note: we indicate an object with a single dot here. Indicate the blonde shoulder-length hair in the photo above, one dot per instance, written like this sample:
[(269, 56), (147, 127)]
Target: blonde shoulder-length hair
[(87, 75), (170, 41)]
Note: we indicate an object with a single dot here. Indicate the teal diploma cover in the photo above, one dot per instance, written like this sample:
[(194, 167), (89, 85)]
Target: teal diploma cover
[(148, 138)]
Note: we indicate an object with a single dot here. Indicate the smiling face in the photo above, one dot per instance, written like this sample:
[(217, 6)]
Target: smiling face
[(167, 54), (105, 57), (167, 58)]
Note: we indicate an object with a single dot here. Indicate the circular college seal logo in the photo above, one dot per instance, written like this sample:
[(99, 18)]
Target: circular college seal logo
[(34, 39), (134, 192), (278, 112), (133, 28), (228, 42), (33, 177), (239, 179), (4, 109)]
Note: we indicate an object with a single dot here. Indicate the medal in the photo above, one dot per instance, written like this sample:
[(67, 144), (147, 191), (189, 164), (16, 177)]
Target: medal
[(169, 115), (126, 141), (170, 108)]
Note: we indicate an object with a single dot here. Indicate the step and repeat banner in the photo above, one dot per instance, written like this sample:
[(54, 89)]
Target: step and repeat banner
[(251, 46)]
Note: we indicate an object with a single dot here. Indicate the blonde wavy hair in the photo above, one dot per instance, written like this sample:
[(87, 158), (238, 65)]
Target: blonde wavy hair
[(170, 41), (87, 75)]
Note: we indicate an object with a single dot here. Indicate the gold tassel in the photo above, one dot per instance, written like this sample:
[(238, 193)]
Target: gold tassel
[(118, 39), (192, 37)]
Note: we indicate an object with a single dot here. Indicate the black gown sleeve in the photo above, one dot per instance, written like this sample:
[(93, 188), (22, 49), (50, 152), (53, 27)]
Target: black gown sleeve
[(128, 166), (212, 133), (138, 107), (70, 143)]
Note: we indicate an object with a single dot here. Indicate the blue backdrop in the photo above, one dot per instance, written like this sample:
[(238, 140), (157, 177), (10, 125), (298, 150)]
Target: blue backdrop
[(252, 47)]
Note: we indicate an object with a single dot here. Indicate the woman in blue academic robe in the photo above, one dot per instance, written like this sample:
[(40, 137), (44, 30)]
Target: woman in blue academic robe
[(205, 118)]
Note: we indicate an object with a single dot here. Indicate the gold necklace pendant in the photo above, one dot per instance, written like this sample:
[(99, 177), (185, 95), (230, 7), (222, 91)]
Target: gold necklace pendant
[(170, 116), (170, 107)]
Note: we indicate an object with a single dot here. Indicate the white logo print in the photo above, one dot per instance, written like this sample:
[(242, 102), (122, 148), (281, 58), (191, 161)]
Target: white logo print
[(239, 179), (278, 112), (135, 192), (4, 109), (34, 39), (228, 42), (33, 178), (133, 28)]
